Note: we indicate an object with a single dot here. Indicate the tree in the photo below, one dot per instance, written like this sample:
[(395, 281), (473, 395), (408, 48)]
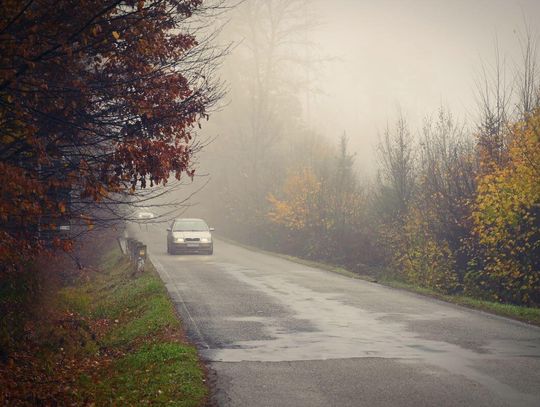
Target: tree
[(344, 205), (507, 221), (424, 257), (447, 182), (264, 119), (528, 82), (397, 158), (321, 211), (300, 211), (300, 207), (494, 98), (344, 182), (97, 99), (429, 246)]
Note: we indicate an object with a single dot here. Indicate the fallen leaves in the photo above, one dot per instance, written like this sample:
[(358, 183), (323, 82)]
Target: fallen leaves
[(55, 352)]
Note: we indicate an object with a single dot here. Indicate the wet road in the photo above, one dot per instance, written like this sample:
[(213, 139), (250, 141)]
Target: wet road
[(277, 333)]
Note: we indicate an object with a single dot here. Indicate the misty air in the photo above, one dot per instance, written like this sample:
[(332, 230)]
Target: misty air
[(270, 203)]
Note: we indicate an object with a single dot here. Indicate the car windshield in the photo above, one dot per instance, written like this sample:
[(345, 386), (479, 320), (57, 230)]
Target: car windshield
[(190, 225)]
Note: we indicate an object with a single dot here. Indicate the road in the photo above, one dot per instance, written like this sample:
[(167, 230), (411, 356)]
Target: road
[(277, 333)]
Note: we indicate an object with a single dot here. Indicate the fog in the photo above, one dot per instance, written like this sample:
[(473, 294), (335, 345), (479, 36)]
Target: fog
[(373, 58), (417, 54), (348, 118)]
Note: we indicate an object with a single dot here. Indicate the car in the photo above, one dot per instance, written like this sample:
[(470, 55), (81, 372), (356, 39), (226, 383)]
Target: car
[(189, 235), (144, 214)]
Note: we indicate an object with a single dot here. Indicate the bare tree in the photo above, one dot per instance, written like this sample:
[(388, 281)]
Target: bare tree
[(266, 108), (397, 154), (447, 159), (448, 170), (494, 97), (528, 82)]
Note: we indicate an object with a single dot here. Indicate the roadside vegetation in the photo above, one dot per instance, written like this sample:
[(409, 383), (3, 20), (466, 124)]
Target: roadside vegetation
[(453, 206), (99, 101), (106, 337)]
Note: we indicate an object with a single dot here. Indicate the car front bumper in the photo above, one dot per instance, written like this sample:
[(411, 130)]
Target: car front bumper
[(191, 247)]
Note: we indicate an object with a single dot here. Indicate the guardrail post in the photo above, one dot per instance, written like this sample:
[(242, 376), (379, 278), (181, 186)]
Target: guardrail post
[(129, 246), (137, 253)]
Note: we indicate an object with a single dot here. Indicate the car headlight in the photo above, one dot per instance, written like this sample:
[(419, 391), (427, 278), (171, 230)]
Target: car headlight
[(205, 240), (179, 239)]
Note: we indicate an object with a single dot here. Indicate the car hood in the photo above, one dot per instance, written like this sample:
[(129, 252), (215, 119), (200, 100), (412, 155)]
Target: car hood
[(191, 235)]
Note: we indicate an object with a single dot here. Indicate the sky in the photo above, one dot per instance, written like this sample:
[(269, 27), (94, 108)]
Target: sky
[(413, 55)]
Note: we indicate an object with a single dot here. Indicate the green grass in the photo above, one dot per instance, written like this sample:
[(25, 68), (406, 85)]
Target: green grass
[(154, 315), (520, 313), (158, 374), (157, 368)]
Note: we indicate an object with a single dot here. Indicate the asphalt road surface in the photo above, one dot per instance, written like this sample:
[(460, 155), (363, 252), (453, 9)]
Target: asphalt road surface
[(277, 333)]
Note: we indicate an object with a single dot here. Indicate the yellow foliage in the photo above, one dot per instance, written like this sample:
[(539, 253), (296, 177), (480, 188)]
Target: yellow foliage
[(506, 219), (424, 259), (299, 207)]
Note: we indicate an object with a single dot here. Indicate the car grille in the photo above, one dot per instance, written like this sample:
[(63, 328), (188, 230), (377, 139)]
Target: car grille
[(192, 239)]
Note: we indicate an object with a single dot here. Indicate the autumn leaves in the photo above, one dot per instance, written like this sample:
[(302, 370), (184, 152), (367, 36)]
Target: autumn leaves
[(96, 101)]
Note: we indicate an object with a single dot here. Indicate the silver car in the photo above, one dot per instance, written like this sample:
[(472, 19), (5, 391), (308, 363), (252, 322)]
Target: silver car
[(187, 235)]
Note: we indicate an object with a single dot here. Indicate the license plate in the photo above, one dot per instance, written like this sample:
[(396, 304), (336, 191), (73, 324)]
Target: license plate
[(193, 245)]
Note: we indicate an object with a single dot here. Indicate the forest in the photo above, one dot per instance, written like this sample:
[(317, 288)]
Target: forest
[(100, 111), (453, 205)]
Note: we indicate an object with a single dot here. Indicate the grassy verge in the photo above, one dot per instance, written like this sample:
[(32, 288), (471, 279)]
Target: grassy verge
[(520, 313), (153, 363), (113, 339)]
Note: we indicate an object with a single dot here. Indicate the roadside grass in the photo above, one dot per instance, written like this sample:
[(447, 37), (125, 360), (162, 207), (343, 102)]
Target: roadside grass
[(146, 358), (100, 336), (524, 314), (164, 373)]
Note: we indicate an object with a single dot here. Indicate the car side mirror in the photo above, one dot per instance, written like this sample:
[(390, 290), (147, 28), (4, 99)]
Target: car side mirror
[(212, 229), (169, 229)]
